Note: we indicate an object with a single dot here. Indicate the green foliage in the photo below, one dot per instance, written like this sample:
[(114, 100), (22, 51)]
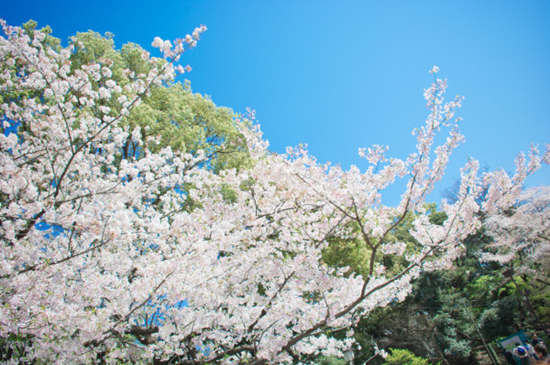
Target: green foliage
[(14, 347), (456, 327), (541, 302), (30, 28), (436, 217), (186, 121), (449, 311), (357, 255), (351, 253), (404, 357), (228, 194), (331, 360)]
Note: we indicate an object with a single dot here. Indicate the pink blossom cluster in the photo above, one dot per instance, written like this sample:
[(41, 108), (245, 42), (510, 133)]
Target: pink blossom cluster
[(175, 51), (250, 268), (522, 227)]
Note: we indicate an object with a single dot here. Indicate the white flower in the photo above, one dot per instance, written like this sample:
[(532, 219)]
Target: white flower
[(167, 46), (106, 72), (104, 93), (157, 42), (434, 69)]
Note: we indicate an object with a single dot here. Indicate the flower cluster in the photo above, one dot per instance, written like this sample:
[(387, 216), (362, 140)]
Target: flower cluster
[(101, 246)]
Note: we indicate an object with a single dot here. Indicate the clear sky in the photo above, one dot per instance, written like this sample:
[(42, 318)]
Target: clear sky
[(339, 75)]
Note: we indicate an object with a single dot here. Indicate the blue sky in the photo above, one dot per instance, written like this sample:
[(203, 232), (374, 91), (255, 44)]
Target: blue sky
[(339, 75)]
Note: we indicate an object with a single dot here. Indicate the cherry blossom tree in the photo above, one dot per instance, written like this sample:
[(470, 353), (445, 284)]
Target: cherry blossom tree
[(247, 256), (521, 227)]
